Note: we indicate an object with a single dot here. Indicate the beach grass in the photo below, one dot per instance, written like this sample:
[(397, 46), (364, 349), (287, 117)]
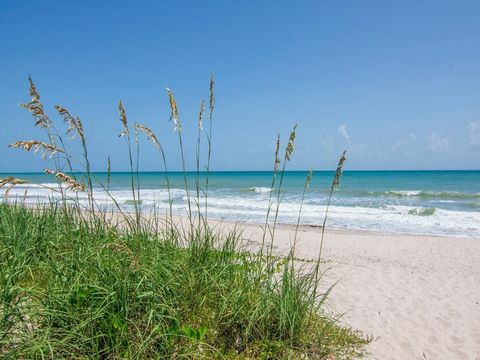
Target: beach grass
[(77, 288), (78, 281)]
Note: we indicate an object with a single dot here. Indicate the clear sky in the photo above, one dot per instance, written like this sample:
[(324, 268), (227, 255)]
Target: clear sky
[(398, 82)]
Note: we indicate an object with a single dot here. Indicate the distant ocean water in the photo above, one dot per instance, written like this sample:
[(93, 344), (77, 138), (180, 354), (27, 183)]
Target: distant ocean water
[(414, 202)]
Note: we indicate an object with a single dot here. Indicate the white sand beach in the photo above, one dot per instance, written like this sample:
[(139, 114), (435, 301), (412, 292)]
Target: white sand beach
[(419, 296)]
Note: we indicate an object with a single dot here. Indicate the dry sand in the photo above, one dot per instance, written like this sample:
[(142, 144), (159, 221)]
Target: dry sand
[(419, 296)]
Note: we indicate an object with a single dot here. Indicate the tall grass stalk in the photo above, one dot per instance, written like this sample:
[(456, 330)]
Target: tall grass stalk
[(308, 179), (289, 149), (197, 156), (35, 106), (137, 162), (335, 183), (211, 104), (75, 127), (272, 187), (174, 115), (126, 133), (170, 201), (154, 139)]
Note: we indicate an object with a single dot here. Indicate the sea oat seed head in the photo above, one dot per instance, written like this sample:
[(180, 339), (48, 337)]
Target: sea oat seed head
[(339, 171), (36, 107), (212, 95), (291, 144), (11, 181), (136, 133), (47, 150), (67, 119), (32, 89), (147, 131), (277, 159), (123, 119), (67, 180), (200, 116), (74, 124), (80, 128), (174, 111)]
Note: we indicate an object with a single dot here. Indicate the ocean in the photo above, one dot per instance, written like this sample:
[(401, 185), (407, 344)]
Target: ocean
[(412, 202)]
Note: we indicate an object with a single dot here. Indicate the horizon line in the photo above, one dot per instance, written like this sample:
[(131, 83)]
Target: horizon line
[(245, 171)]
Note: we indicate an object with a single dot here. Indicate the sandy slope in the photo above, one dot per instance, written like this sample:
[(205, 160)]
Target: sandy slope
[(418, 295)]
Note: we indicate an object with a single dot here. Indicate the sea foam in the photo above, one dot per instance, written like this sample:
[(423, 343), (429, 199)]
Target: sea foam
[(358, 212)]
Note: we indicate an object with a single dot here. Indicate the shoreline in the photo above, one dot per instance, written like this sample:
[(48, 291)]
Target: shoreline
[(340, 231), (312, 227)]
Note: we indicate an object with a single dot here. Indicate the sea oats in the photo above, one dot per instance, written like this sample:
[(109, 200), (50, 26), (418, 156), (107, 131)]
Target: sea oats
[(11, 182), (200, 115), (277, 158), (36, 107), (209, 139), (67, 180), (67, 119), (123, 119), (74, 124), (174, 111), (212, 95), (136, 133), (150, 134), (291, 144), (335, 183), (339, 171), (32, 89), (46, 149)]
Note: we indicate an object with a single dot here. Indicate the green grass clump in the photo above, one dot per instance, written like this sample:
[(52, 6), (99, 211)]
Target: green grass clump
[(78, 282), (72, 288)]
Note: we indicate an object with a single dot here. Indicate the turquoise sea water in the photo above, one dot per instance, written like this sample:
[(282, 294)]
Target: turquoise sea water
[(417, 202)]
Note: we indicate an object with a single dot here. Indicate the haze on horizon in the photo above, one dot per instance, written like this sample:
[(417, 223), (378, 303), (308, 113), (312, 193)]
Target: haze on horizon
[(397, 83)]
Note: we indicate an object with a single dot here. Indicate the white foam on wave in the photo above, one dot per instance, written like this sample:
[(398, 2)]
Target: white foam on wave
[(434, 194), (404, 192), (389, 218), (102, 197), (260, 189), (45, 186)]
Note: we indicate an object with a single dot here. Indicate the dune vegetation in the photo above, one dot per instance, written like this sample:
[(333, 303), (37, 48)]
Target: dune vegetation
[(80, 281)]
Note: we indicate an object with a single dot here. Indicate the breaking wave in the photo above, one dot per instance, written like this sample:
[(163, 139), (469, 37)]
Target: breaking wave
[(260, 189), (237, 206), (433, 194)]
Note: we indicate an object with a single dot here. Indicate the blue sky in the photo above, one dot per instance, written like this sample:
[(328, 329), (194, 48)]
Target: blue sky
[(398, 82)]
